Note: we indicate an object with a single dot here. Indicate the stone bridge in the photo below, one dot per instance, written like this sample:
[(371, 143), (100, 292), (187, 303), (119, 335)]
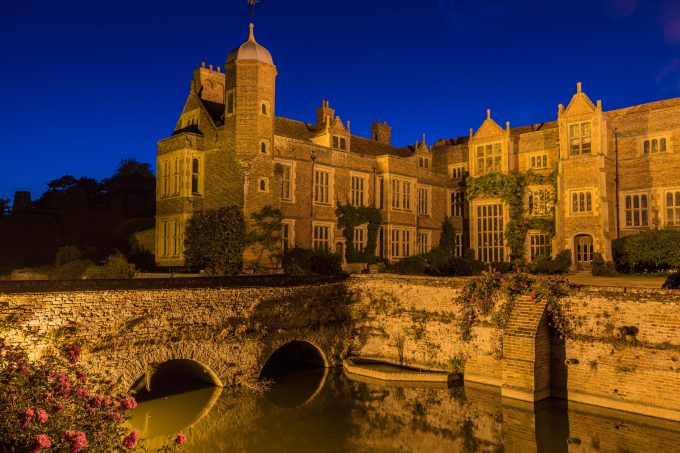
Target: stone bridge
[(222, 330), (225, 330)]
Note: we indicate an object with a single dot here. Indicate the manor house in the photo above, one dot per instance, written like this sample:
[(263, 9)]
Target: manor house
[(591, 175)]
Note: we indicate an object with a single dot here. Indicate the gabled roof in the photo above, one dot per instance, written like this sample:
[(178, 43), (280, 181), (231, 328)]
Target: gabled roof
[(644, 108)]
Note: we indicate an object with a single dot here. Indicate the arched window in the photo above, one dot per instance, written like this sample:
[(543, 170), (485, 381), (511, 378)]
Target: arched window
[(263, 147)]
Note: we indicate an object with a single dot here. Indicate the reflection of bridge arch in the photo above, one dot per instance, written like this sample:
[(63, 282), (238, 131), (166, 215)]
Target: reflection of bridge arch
[(296, 362)]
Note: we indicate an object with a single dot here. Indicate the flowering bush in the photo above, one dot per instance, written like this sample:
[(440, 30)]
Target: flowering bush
[(54, 404), (491, 297)]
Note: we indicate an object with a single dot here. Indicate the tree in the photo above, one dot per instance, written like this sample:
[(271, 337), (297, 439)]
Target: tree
[(215, 240), (133, 185), (5, 208), (447, 240), (266, 236)]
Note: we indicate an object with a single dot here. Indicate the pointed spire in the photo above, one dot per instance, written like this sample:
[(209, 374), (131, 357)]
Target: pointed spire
[(251, 38)]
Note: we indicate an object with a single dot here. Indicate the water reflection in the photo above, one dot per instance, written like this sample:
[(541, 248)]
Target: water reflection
[(346, 415)]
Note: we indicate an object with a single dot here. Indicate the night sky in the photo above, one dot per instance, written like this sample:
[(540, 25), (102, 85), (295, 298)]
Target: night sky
[(85, 84)]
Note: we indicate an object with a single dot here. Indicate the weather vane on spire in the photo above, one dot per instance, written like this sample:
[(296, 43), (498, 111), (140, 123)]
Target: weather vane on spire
[(252, 4)]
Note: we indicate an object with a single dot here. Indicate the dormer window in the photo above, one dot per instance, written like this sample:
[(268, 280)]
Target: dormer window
[(489, 158), (580, 139), (424, 162), (339, 142)]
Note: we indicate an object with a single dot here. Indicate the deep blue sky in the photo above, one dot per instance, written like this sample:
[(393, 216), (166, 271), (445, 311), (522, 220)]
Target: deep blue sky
[(85, 84)]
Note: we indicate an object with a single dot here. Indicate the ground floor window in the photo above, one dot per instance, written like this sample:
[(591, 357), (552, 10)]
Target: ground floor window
[(360, 239), (635, 207), (287, 235), (423, 242), (539, 246), (172, 239), (400, 242), (321, 239), (490, 240), (673, 208), (460, 249)]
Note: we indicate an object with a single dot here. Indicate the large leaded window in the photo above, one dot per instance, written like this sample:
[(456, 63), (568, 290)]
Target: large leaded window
[(195, 175), (287, 235), (538, 161), (488, 158), (540, 201), (635, 209), (423, 242), (459, 245), (581, 202), (321, 239), (458, 204), (360, 239), (580, 139), (358, 190), (400, 242), (539, 245), (673, 208), (322, 186), (286, 182), (424, 200), (381, 192), (401, 194), (490, 241)]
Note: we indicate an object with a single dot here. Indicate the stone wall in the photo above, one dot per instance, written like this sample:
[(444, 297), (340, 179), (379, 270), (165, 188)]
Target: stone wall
[(232, 328)]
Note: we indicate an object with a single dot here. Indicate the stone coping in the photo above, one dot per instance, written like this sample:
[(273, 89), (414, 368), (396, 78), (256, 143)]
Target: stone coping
[(49, 286), (362, 367)]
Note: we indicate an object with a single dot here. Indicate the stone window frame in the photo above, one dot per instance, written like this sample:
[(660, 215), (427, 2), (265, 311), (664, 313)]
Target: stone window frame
[(423, 246), (459, 244), (263, 184), (456, 207), (380, 192), (491, 150), (265, 108), (289, 225), (360, 239), (494, 253), (293, 167), (170, 242), (589, 194), (198, 176), (549, 203), (330, 189), (675, 208), (649, 139), (424, 162), (339, 142), (580, 139), (267, 147), (537, 241), (457, 171), (534, 158), (358, 193), (425, 203), (318, 227), (624, 210), (400, 200), (403, 245)]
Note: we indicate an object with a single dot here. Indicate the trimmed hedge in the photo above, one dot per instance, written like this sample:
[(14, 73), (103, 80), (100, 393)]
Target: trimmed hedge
[(649, 251), (299, 261), (559, 265)]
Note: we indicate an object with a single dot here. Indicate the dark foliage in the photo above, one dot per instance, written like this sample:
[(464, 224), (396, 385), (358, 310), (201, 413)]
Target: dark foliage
[(672, 282), (649, 251), (602, 268), (559, 265), (411, 265), (215, 240), (299, 261)]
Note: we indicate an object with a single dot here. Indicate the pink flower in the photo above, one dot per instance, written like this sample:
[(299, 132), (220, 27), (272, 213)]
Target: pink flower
[(73, 352), (82, 392), (58, 408), (82, 376), (63, 385), (42, 416), (41, 442), (180, 439), (26, 417), (128, 403), (77, 438), (107, 401), (96, 401), (131, 440)]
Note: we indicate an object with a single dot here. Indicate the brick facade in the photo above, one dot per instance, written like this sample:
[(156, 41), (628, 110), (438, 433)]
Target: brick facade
[(615, 169)]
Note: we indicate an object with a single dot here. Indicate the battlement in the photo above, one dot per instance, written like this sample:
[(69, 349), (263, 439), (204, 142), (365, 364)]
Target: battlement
[(209, 83)]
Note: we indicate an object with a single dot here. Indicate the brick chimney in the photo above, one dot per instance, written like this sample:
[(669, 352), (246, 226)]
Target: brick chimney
[(324, 114), (381, 132)]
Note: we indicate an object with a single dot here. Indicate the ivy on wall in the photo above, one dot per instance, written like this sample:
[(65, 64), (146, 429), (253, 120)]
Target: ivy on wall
[(510, 189), (350, 217)]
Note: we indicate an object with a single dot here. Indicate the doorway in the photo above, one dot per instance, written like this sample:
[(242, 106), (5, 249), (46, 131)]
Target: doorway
[(583, 245)]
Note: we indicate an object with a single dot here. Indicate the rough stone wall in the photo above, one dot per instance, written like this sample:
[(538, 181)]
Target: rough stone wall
[(232, 331)]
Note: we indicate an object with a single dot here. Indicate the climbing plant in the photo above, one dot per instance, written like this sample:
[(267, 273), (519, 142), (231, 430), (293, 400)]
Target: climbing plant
[(491, 297), (510, 189), (350, 217)]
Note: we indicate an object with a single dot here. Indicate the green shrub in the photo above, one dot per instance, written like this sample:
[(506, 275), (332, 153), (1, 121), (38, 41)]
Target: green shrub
[(115, 266), (649, 251), (72, 270), (325, 263), (299, 261), (559, 265), (215, 240), (67, 254), (503, 267), (602, 268), (411, 265), (440, 263), (672, 282)]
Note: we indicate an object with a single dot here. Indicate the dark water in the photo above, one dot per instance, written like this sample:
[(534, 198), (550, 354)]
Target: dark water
[(316, 410)]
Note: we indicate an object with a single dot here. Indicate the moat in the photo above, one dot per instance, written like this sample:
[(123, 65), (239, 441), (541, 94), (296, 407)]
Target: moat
[(319, 410)]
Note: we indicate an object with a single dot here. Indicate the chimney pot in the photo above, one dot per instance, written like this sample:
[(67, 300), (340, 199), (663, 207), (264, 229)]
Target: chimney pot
[(488, 114)]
